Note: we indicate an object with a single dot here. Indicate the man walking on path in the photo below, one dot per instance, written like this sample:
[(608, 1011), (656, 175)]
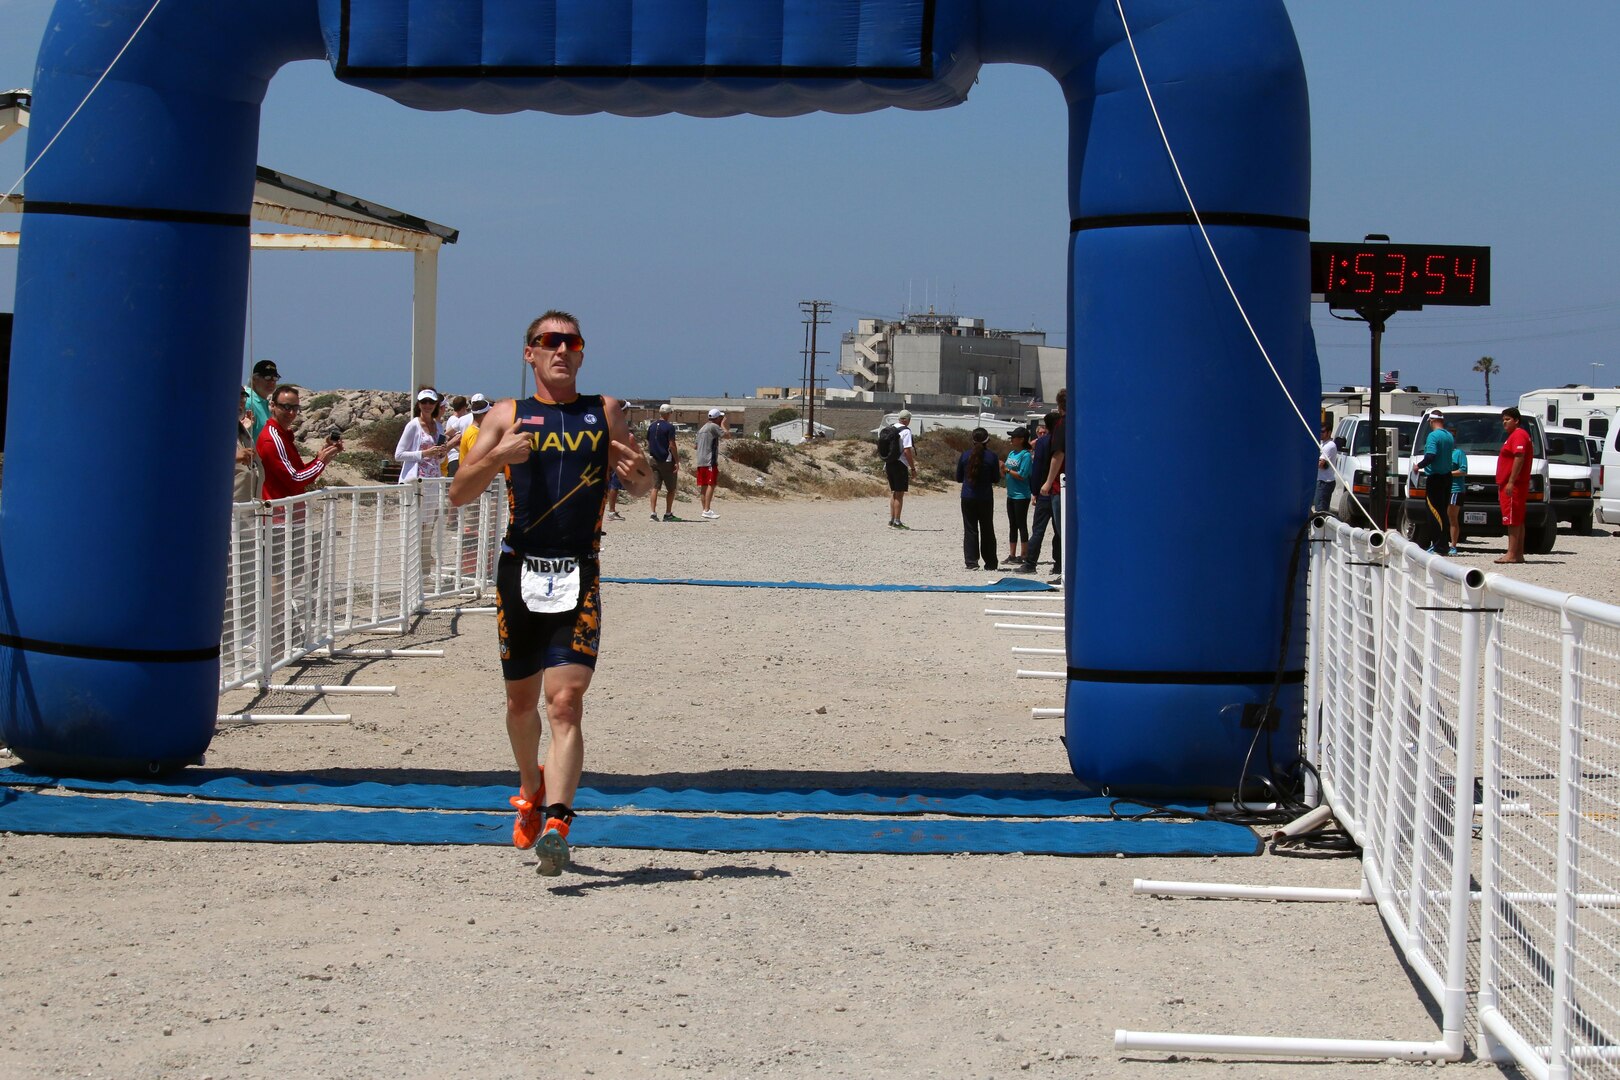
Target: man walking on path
[(901, 469), (1057, 426), (1436, 464), (1513, 482), (556, 449), (1327, 462), (708, 460), (665, 458)]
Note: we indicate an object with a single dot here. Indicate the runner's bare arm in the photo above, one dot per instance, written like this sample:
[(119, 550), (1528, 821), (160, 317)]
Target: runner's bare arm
[(501, 442), (624, 455)]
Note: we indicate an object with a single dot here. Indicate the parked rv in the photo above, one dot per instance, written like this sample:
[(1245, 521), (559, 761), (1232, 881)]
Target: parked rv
[(1588, 409), (1478, 432), (1392, 401)]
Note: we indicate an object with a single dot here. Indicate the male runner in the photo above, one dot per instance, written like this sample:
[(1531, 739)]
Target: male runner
[(556, 449)]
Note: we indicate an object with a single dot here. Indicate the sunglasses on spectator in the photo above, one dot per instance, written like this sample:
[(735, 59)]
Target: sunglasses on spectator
[(294, 407), (553, 339)]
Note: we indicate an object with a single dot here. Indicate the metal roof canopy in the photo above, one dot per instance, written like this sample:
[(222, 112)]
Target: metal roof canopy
[(344, 223)]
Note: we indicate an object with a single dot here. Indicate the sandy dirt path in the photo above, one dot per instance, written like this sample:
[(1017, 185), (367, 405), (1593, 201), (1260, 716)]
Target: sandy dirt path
[(147, 959)]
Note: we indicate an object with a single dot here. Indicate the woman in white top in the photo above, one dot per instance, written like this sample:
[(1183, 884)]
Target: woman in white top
[(422, 445), (421, 451)]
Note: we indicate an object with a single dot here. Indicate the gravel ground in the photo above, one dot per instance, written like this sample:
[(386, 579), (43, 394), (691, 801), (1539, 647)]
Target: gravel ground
[(146, 959)]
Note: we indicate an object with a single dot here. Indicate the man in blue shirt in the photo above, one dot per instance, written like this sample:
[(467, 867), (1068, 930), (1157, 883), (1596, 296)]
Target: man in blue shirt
[(1436, 464), (261, 388), (663, 455)]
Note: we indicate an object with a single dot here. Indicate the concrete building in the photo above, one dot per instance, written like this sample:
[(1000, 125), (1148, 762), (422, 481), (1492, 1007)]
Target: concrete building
[(923, 356)]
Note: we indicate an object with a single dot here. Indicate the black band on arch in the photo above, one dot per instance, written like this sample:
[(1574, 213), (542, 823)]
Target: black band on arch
[(1185, 217), (1184, 678), (137, 213), (102, 652)]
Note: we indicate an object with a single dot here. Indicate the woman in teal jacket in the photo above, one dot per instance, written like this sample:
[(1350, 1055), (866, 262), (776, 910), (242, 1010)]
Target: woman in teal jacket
[(1016, 469)]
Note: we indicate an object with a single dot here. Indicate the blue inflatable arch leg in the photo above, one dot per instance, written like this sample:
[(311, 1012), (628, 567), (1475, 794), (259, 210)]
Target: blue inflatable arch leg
[(1188, 474), (132, 286)]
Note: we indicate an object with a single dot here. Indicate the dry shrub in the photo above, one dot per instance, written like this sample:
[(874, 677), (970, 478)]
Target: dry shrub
[(381, 436), (754, 453), (369, 463)]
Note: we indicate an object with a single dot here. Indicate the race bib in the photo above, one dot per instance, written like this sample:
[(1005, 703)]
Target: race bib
[(550, 585)]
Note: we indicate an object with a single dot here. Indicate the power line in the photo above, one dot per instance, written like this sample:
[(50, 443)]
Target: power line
[(813, 312)]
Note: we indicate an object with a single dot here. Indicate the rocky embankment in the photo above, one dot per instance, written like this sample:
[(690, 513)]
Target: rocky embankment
[(371, 421)]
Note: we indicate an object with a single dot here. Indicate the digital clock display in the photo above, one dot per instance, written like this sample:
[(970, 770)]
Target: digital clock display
[(1400, 276)]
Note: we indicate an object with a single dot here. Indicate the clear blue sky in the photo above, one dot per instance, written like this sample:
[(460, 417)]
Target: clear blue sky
[(685, 245)]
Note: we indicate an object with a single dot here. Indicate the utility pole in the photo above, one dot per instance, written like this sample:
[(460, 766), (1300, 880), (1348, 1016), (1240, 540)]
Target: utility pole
[(813, 312)]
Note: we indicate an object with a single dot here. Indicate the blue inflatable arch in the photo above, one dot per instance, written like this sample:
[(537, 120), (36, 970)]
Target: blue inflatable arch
[(132, 279)]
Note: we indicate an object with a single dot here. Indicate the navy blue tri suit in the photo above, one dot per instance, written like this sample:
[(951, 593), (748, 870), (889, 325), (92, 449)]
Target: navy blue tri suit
[(556, 499)]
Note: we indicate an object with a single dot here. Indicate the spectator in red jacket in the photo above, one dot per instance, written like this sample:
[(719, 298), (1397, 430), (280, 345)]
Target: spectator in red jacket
[(285, 471)]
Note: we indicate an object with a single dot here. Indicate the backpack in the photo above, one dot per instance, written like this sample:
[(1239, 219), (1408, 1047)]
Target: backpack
[(888, 443)]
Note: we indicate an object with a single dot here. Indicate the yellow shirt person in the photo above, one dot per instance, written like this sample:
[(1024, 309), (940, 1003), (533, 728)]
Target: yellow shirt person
[(480, 406)]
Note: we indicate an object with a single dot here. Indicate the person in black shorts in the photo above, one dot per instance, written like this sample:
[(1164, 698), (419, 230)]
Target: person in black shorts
[(900, 470), (557, 450)]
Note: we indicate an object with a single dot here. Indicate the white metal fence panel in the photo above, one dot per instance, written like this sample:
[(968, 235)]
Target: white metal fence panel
[(1550, 952), (460, 543), (243, 629), (1423, 668), (371, 588), (297, 579), (305, 570)]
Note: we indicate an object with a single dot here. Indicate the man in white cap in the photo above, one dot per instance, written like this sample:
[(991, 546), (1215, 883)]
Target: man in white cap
[(708, 460), (664, 457), (454, 427), (901, 469), (1437, 464), (477, 406)]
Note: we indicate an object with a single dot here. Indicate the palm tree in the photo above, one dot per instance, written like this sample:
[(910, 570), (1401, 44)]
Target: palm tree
[(1487, 367)]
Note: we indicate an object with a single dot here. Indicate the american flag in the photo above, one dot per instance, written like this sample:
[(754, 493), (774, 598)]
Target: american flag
[(1392, 378)]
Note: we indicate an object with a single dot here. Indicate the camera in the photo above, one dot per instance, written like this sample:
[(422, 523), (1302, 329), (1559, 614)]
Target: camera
[(334, 436)]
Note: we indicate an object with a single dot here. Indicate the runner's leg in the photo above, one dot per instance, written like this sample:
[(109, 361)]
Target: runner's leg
[(565, 687)]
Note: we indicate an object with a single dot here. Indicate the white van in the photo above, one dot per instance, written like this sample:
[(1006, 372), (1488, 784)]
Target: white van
[(1608, 501), (1569, 477)]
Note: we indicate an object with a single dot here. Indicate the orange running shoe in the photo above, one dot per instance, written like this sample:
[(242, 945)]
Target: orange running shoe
[(553, 847), (531, 816)]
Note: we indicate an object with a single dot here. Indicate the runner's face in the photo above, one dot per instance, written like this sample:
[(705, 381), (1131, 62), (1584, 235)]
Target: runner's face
[(554, 367)]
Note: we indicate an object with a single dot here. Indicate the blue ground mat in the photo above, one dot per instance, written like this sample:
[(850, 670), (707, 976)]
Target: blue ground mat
[(1006, 584), (300, 789), (85, 815)]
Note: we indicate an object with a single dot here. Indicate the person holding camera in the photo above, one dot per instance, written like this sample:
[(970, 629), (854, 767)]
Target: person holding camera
[(294, 552), (286, 473), (423, 445)]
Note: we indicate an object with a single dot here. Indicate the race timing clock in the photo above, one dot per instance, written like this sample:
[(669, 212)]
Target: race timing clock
[(1400, 277)]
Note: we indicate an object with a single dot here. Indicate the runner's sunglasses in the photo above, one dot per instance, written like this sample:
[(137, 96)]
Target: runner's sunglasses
[(553, 339)]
